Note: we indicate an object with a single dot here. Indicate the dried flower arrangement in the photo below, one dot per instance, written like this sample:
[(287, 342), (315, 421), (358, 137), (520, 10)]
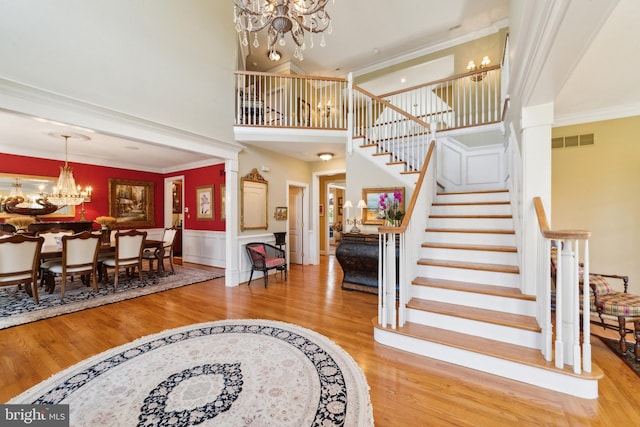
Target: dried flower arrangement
[(21, 223), (105, 221)]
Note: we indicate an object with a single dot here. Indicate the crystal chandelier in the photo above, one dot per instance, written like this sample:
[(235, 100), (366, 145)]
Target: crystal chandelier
[(66, 193), (281, 17)]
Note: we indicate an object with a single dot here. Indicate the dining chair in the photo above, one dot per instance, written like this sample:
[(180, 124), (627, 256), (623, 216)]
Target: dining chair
[(52, 239), (79, 257), (128, 254), (168, 237), (19, 259)]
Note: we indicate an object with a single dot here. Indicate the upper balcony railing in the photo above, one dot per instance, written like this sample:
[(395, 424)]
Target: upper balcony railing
[(290, 101), (309, 102)]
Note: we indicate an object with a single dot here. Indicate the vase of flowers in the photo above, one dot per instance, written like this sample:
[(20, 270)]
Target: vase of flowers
[(390, 206)]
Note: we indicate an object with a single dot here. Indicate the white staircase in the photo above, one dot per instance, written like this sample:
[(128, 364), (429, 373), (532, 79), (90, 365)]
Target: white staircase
[(465, 304)]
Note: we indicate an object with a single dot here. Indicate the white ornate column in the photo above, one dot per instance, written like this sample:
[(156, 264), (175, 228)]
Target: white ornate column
[(232, 213)]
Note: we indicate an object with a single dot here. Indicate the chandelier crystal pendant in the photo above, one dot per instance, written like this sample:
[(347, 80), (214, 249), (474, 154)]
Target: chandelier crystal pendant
[(280, 17), (66, 193)]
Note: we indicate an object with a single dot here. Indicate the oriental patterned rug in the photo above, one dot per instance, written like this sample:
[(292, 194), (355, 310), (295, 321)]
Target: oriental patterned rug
[(629, 357), (17, 308), (224, 373)]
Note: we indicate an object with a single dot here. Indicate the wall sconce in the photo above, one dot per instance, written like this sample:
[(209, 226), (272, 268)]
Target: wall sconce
[(326, 157), (324, 110), (472, 67)]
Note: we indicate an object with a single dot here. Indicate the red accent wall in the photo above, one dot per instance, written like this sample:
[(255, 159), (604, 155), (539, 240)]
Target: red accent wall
[(95, 176), (209, 175), (98, 178)]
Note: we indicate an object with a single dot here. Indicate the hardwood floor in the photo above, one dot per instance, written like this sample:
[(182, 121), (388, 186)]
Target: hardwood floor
[(406, 389)]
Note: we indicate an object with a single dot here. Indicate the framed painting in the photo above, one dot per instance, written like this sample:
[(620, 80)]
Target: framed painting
[(281, 213), (304, 112), (373, 214), (321, 210), (223, 189), (204, 203), (131, 203)]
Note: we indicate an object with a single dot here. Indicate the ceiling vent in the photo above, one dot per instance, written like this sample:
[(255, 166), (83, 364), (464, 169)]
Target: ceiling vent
[(573, 141)]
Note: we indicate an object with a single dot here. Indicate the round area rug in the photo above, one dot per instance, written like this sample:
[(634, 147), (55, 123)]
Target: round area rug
[(225, 373)]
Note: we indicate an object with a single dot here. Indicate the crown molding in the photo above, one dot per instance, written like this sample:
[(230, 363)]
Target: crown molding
[(16, 97), (597, 115)]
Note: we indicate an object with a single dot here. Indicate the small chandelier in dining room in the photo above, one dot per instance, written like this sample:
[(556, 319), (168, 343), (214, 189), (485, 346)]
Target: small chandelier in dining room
[(66, 193), (281, 17)]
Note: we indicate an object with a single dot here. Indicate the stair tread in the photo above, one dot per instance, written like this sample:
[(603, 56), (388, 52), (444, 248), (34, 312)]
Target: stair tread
[(469, 203), (478, 288), (519, 321), (479, 216), (469, 230), (488, 248), (472, 192), (506, 351), (501, 268)]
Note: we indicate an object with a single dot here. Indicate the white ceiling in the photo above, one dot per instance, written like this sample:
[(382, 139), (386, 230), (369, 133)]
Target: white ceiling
[(365, 33)]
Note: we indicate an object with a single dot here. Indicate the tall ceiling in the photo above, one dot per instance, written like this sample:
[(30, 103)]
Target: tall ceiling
[(367, 33)]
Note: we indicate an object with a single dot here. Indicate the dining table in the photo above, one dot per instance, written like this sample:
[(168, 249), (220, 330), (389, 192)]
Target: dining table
[(53, 251)]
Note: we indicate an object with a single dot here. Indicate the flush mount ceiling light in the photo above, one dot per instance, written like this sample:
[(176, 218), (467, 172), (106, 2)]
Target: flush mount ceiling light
[(280, 17), (325, 156)]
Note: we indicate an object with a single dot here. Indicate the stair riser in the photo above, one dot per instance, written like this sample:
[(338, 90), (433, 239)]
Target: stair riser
[(489, 257), (472, 299), (472, 197), (465, 275), (470, 238), (472, 223), (471, 210), (472, 327), (551, 380)]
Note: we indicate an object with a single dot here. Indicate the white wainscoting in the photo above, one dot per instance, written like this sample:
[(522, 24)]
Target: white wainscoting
[(204, 247), (465, 168)]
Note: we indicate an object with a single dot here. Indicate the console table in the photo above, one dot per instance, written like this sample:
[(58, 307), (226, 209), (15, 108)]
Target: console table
[(75, 226), (358, 257)]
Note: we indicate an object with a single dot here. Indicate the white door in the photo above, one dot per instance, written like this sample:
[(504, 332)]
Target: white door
[(296, 225)]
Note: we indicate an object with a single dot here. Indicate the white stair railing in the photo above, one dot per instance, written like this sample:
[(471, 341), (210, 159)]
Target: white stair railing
[(406, 238), (469, 99), (390, 129), (568, 302)]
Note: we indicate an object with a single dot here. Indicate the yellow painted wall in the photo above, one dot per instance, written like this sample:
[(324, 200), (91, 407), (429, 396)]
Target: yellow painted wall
[(597, 188)]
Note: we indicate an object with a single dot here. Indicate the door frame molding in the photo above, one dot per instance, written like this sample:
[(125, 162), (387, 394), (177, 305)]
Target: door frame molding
[(307, 232)]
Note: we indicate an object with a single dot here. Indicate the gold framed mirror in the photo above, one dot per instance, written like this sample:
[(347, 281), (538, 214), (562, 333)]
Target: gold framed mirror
[(32, 187), (253, 199)]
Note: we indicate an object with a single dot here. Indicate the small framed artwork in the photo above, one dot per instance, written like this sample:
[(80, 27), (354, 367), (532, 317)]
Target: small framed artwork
[(204, 202), (223, 189), (131, 202), (340, 202), (304, 112), (281, 213), (340, 210), (321, 210)]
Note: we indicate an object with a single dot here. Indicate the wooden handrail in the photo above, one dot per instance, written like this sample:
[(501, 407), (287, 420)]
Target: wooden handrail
[(414, 196), (556, 234), (445, 80), (290, 76), (392, 107)]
